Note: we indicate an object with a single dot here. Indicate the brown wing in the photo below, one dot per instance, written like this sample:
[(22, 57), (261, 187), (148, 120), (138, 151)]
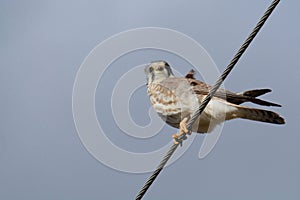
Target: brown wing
[(200, 87)]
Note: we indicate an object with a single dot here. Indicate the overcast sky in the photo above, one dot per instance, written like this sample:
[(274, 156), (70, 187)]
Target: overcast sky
[(43, 44)]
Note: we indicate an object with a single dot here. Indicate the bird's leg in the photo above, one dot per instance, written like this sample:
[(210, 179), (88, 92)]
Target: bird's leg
[(182, 130)]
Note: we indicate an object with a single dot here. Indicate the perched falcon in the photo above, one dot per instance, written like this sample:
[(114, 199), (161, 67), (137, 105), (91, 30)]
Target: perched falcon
[(176, 99)]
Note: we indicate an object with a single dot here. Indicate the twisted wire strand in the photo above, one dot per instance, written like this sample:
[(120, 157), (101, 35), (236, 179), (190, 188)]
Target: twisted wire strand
[(211, 93)]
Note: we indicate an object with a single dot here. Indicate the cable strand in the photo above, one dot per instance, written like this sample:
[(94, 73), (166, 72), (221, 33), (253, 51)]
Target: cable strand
[(211, 93)]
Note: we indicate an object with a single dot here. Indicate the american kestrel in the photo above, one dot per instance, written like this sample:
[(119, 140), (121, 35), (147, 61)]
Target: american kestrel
[(176, 99)]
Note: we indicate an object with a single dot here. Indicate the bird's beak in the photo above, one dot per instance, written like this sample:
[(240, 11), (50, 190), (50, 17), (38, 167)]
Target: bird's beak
[(159, 68)]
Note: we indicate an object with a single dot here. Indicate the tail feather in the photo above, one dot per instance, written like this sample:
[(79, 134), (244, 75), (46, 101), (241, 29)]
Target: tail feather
[(256, 93), (263, 103), (260, 115), (250, 96)]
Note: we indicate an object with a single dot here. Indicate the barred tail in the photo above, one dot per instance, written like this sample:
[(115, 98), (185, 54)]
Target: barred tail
[(260, 115)]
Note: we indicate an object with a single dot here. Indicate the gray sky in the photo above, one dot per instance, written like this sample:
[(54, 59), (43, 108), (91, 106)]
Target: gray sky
[(43, 44)]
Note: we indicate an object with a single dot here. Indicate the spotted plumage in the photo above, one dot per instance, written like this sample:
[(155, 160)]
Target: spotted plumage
[(177, 98)]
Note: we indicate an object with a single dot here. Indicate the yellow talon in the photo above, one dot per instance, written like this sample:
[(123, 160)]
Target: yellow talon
[(182, 130)]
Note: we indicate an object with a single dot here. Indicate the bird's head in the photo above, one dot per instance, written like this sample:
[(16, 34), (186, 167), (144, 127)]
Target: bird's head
[(157, 71)]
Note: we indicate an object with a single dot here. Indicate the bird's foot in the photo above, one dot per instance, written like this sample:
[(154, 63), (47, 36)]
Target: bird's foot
[(182, 132)]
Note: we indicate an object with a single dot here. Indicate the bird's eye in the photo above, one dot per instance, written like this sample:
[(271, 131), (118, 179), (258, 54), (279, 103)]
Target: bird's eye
[(150, 69)]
